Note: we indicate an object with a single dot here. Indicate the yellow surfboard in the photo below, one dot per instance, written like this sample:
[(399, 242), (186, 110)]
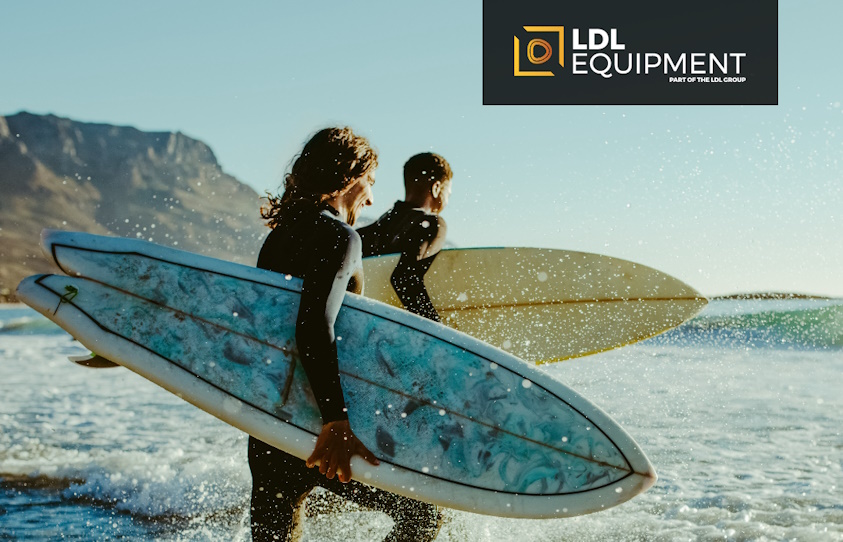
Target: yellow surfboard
[(546, 305)]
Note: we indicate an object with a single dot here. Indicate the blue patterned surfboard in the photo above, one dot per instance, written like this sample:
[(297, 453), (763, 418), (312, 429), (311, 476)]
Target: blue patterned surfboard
[(453, 420)]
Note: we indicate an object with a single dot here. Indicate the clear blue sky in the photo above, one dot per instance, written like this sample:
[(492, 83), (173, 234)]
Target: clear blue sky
[(726, 198)]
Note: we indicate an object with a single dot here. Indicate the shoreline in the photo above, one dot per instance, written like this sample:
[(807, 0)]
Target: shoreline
[(770, 295)]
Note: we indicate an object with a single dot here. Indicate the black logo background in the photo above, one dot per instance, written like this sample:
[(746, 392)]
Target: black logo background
[(657, 26)]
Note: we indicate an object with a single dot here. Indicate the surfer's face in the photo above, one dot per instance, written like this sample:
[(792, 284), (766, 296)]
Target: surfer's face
[(441, 191), (359, 196)]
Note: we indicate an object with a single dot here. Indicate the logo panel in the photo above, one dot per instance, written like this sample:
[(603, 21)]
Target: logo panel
[(655, 52)]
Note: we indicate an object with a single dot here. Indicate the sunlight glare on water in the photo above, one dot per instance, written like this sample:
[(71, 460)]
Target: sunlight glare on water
[(745, 437)]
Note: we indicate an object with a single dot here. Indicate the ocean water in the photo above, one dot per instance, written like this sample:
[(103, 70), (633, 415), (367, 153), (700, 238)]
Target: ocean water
[(740, 410)]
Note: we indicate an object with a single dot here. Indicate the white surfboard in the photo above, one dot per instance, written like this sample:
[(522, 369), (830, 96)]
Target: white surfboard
[(454, 421)]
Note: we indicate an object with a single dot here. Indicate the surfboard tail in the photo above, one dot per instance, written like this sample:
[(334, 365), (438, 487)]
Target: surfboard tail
[(27, 292)]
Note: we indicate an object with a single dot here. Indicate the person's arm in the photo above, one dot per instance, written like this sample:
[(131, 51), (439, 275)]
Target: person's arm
[(323, 291), (420, 249), (334, 448), (369, 239)]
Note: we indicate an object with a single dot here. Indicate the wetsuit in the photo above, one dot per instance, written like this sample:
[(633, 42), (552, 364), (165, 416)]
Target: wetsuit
[(418, 237), (314, 244)]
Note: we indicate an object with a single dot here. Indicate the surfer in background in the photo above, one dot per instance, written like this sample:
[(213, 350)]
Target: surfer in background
[(414, 229), (311, 238)]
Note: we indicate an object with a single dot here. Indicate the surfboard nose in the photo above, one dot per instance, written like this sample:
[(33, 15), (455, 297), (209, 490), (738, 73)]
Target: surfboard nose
[(642, 467), (649, 478)]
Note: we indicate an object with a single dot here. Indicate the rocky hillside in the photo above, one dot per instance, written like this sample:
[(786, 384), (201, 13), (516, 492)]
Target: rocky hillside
[(115, 180)]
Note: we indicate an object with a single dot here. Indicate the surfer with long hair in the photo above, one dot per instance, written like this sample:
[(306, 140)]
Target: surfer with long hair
[(311, 238)]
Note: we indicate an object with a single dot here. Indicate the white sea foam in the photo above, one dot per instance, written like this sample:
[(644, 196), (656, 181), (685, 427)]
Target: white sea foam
[(747, 443)]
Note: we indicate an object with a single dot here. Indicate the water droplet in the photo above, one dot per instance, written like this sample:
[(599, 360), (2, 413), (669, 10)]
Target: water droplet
[(231, 405)]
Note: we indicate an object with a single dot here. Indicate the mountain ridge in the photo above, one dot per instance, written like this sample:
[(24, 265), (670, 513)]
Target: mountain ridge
[(100, 178)]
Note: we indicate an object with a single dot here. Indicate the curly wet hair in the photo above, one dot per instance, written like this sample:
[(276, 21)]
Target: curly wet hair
[(330, 162)]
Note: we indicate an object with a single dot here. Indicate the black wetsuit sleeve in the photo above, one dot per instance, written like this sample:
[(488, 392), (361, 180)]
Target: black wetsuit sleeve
[(369, 239), (421, 247), (323, 291)]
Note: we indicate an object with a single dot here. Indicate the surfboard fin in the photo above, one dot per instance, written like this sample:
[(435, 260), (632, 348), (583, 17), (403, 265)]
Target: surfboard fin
[(93, 361)]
